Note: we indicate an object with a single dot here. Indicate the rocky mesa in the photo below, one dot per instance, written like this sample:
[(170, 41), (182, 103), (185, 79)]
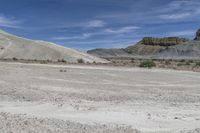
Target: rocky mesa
[(149, 47), (167, 41)]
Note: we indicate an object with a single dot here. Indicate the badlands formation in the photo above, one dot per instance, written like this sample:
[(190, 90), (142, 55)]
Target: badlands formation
[(12, 46)]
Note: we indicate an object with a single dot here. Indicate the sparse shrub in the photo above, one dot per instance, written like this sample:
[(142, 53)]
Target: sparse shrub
[(80, 61), (114, 62), (132, 61), (43, 61), (180, 64), (15, 59), (167, 62), (62, 60), (147, 64), (63, 70), (187, 63), (191, 61), (182, 60), (198, 64)]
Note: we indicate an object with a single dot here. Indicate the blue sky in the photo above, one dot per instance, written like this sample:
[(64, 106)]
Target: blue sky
[(88, 24)]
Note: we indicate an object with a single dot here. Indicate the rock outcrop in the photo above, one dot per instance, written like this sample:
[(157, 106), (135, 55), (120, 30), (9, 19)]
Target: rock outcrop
[(197, 35)]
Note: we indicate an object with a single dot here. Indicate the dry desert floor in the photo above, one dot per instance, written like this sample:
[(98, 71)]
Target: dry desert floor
[(36, 98)]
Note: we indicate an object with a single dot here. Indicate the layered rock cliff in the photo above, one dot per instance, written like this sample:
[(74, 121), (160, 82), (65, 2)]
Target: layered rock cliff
[(150, 45), (167, 41)]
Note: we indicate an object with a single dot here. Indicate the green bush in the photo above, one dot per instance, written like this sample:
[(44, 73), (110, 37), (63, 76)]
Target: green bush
[(80, 61), (147, 64)]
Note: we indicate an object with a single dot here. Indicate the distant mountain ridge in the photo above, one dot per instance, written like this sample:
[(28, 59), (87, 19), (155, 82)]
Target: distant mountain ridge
[(148, 47), (12, 46)]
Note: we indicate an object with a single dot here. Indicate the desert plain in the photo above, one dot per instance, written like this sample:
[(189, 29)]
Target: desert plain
[(97, 99)]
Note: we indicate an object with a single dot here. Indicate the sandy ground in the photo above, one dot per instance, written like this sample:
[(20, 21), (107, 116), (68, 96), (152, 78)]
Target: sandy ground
[(38, 98)]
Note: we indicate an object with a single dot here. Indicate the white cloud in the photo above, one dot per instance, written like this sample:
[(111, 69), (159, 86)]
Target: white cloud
[(175, 10), (82, 24), (107, 42), (122, 30), (177, 5), (102, 32), (95, 24), (83, 36), (182, 33), (86, 35), (174, 16), (9, 22), (180, 9)]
